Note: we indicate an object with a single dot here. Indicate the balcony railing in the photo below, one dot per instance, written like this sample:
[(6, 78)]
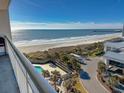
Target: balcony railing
[(116, 45), (29, 81), (119, 57)]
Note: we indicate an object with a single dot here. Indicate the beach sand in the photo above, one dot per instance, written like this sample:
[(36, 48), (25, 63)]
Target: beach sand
[(75, 42)]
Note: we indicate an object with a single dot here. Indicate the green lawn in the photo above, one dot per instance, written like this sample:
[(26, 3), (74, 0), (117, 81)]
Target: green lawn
[(80, 87)]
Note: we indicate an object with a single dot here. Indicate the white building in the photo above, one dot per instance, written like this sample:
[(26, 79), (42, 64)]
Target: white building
[(17, 74), (114, 56), (78, 57)]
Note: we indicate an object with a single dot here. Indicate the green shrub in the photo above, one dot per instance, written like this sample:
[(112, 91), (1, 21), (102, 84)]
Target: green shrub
[(101, 67)]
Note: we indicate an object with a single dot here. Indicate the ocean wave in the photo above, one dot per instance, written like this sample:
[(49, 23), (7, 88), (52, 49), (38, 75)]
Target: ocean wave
[(62, 40)]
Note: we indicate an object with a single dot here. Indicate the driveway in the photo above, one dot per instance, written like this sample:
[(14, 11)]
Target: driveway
[(89, 77)]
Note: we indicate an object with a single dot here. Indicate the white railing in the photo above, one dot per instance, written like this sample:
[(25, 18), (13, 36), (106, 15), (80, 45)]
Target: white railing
[(29, 81)]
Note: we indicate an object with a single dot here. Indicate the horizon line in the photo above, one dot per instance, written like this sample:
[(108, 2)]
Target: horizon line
[(18, 25)]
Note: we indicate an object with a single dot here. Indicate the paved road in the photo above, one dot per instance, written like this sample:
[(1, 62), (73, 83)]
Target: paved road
[(89, 78)]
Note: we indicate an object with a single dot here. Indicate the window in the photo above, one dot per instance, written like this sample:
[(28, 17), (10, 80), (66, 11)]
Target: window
[(118, 64)]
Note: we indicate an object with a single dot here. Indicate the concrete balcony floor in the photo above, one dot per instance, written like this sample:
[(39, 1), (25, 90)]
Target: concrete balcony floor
[(8, 83)]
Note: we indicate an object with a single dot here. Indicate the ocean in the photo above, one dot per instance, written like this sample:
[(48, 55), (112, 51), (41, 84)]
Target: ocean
[(34, 36)]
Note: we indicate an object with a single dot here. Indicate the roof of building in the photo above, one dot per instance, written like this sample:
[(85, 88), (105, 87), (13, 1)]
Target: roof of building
[(75, 55)]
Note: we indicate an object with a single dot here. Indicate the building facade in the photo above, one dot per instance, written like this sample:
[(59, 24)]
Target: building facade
[(114, 56)]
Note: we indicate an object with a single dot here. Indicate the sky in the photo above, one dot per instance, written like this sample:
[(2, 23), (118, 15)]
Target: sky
[(64, 14)]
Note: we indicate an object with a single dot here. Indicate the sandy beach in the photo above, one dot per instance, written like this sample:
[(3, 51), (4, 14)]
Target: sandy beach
[(66, 43)]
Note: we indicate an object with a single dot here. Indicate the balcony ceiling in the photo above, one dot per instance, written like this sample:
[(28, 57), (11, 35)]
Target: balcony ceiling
[(4, 4)]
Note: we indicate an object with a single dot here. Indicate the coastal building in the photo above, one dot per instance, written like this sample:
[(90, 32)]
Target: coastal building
[(17, 74), (114, 56), (114, 59), (78, 57)]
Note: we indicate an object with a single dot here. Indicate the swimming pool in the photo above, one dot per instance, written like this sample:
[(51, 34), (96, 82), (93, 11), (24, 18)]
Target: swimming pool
[(38, 69)]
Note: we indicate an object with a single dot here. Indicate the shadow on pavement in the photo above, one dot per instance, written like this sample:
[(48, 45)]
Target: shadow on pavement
[(84, 75)]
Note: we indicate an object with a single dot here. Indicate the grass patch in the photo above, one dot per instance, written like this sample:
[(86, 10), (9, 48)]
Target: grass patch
[(79, 86)]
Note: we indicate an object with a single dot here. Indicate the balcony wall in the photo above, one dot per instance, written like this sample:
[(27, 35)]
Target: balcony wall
[(5, 24), (28, 79)]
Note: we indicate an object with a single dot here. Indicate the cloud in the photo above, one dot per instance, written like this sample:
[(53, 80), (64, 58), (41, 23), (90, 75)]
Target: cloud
[(70, 25)]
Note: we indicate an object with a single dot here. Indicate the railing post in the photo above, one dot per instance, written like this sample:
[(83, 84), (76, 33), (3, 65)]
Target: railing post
[(27, 82)]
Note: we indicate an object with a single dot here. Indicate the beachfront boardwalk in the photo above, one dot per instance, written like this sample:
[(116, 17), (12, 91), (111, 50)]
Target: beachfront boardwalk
[(89, 77), (8, 82)]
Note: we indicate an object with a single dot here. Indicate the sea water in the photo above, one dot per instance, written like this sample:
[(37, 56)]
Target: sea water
[(34, 36)]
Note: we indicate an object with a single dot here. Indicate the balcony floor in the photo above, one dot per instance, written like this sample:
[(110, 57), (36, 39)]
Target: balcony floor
[(8, 82)]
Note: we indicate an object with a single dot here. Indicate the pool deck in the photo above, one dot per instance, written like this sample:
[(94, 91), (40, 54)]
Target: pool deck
[(49, 68)]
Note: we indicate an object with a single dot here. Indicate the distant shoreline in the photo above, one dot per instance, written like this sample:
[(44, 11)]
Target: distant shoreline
[(67, 43)]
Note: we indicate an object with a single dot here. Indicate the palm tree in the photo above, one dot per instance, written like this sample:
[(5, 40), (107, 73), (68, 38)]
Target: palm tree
[(70, 85), (46, 73), (54, 77), (77, 50), (113, 81), (64, 57), (48, 56), (56, 55), (101, 67), (75, 64)]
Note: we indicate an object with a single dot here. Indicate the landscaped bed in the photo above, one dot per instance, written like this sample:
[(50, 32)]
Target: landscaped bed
[(80, 87), (104, 84), (111, 81)]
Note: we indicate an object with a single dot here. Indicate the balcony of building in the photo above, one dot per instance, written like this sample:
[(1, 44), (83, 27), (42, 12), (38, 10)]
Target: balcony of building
[(117, 57), (8, 83), (115, 63), (17, 73), (114, 45)]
